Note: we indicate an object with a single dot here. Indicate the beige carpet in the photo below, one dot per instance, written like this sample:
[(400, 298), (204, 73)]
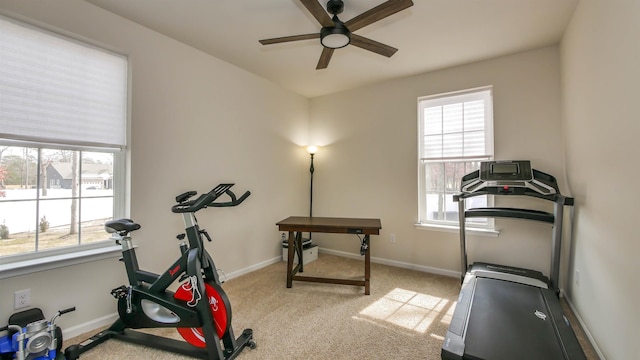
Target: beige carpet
[(405, 317)]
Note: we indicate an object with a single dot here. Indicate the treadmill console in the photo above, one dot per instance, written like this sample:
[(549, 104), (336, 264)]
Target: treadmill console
[(508, 177), (496, 171)]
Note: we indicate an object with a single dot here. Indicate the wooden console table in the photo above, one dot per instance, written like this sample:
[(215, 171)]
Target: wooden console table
[(296, 225)]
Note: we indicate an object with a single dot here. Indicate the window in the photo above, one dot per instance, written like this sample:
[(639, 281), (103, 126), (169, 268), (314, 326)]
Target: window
[(63, 116), (455, 135)]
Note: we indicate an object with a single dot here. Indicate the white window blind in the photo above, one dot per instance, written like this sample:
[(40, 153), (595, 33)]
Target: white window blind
[(455, 126), (58, 91)]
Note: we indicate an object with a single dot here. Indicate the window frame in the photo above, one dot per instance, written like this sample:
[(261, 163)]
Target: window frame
[(481, 93), (40, 260)]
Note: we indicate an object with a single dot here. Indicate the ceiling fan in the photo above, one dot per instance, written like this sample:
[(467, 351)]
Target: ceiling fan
[(336, 34)]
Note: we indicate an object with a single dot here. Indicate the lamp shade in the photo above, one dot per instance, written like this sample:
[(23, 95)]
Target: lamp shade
[(312, 149)]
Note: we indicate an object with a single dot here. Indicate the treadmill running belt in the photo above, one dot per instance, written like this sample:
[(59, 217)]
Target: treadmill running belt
[(510, 321)]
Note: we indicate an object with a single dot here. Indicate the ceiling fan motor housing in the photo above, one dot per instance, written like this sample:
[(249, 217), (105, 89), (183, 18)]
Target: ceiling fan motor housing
[(335, 6)]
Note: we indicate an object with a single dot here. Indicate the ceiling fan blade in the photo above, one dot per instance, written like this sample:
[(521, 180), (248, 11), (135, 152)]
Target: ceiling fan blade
[(318, 12), (289, 38), (325, 57), (372, 45), (377, 13)]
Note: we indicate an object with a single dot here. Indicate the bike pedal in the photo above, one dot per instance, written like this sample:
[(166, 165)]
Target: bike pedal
[(120, 292)]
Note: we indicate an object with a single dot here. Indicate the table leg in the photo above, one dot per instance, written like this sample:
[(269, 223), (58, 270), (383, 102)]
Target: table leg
[(290, 250), (298, 248), (367, 266)]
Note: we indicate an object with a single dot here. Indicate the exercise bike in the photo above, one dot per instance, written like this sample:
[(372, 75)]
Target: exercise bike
[(32, 337), (199, 310)]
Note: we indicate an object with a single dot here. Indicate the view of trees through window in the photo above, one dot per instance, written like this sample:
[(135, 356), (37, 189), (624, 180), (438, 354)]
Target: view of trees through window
[(442, 181), (53, 198)]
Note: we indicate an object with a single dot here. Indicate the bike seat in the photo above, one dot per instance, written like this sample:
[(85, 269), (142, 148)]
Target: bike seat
[(120, 225)]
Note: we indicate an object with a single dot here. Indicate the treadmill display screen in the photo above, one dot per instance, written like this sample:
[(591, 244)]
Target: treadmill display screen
[(509, 168), (514, 170)]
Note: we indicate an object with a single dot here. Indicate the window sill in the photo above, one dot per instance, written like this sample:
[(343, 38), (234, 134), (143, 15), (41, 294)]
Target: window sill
[(456, 229), (57, 261)]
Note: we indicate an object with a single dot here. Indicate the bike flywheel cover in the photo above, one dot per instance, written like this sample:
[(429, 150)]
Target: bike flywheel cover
[(195, 336)]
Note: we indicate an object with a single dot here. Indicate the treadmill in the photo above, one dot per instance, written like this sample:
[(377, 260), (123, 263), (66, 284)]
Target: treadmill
[(505, 312)]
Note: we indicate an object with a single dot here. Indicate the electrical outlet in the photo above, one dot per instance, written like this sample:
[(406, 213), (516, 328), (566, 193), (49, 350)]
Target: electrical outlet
[(22, 298), (392, 238)]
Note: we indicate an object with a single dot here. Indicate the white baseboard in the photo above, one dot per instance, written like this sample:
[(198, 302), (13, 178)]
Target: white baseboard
[(584, 328), (73, 331), (252, 268), (400, 264)]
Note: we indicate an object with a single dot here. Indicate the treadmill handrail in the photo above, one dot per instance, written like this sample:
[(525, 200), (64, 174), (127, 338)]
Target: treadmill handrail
[(556, 198), (526, 214)]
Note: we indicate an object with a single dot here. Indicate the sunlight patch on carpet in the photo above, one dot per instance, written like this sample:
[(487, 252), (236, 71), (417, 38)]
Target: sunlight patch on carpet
[(407, 309), (446, 318)]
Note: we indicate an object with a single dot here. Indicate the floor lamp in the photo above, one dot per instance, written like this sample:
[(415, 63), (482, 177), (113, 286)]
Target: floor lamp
[(312, 151)]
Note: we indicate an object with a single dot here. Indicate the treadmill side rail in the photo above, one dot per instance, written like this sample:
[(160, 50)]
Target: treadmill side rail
[(453, 346), (570, 344)]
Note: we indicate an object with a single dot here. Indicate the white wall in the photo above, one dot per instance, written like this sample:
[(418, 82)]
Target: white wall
[(368, 165), (600, 56), (195, 122)]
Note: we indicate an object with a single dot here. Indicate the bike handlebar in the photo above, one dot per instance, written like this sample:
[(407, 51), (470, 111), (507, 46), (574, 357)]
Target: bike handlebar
[(233, 202), (62, 312), (208, 199)]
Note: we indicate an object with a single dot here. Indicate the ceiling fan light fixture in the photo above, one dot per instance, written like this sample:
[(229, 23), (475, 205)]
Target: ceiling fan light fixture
[(334, 34), (335, 37)]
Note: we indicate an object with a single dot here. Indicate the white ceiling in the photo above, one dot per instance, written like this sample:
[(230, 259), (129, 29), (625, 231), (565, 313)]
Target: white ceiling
[(431, 35)]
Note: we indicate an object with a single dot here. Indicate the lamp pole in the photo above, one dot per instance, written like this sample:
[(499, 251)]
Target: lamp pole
[(311, 189), (312, 150)]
